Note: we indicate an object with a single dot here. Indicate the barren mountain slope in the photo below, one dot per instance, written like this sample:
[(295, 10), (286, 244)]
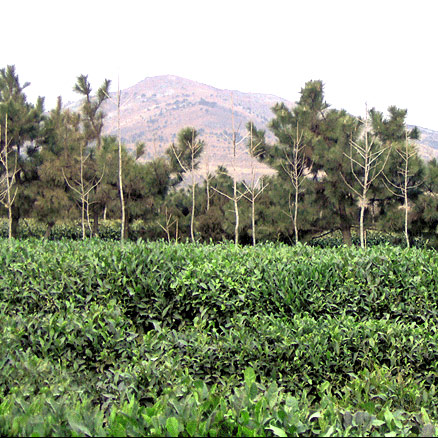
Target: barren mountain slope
[(155, 109)]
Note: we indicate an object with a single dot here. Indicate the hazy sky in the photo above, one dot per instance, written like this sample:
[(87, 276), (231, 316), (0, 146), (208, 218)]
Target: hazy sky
[(380, 52)]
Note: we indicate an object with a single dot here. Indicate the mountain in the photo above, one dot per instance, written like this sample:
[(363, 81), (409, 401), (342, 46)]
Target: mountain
[(156, 109), (428, 143)]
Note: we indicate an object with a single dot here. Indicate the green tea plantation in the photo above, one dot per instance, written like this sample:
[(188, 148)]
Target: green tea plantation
[(99, 338)]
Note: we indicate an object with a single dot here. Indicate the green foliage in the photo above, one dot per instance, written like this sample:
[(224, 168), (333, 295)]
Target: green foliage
[(185, 154), (91, 112), (23, 126), (218, 340)]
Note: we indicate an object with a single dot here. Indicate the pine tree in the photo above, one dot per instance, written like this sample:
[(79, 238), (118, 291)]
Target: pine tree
[(60, 139), (92, 118), (23, 121), (185, 158), (324, 135), (368, 158)]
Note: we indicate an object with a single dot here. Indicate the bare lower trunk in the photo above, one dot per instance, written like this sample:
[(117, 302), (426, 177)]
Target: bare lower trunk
[(296, 215), (49, 229), (208, 194), (253, 222), (236, 213), (176, 232), (344, 225), (13, 222), (83, 219), (123, 235), (96, 222), (346, 235), (406, 220), (192, 217), (361, 227), (9, 223), (126, 228)]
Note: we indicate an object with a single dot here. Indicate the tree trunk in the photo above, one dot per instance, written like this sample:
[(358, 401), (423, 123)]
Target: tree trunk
[(9, 222), (344, 225), (83, 219), (208, 193), (361, 225), (124, 220), (253, 222), (346, 234), (50, 225), (296, 212), (96, 221), (406, 219), (236, 213), (14, 221), (192, 216), (126, 228)]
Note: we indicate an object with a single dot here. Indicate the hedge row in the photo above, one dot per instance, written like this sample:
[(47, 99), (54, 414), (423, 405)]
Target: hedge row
[(173, 284), (110, 230), (216, 340)]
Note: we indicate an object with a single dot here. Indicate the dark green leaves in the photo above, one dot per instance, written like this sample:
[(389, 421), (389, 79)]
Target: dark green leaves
[(192, 340)]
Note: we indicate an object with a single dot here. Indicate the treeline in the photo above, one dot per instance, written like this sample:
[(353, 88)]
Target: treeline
[(335, 172)]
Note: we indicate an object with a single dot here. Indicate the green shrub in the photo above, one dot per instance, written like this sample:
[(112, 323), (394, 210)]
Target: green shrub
[(216, 339)]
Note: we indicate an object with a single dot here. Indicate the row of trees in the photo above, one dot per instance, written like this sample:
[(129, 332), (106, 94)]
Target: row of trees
[(334, 172)]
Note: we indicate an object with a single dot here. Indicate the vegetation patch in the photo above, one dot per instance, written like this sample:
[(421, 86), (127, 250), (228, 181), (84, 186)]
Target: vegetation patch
[(98, 338)]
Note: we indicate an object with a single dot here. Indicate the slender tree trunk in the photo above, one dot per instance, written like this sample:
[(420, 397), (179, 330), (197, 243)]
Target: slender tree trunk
[(253, 221), (207, 179), (253, 189), (361, 228), (236, 213), (363, 201), (192, 216), (126, 228), (83, 218), (176, 232), (405, 193), (10, 223), (296, 213), (8, 188), (296, 175), (406, 222), (208, 193), (8, 179), (235, 199), (122, 199), (82, 191), (406, 206)]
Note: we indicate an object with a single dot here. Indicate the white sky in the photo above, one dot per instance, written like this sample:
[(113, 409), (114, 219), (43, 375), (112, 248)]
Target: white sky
[(380, 52)]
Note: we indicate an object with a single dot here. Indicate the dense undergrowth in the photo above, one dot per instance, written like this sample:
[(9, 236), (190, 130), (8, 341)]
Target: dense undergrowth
[(98, 338)]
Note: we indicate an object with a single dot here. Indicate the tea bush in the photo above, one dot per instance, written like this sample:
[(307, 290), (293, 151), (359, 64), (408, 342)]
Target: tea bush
[(175, 283), (99, 338)]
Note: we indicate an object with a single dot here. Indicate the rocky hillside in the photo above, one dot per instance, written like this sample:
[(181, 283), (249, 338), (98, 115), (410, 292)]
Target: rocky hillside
[(428, 143), (155, 109)]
